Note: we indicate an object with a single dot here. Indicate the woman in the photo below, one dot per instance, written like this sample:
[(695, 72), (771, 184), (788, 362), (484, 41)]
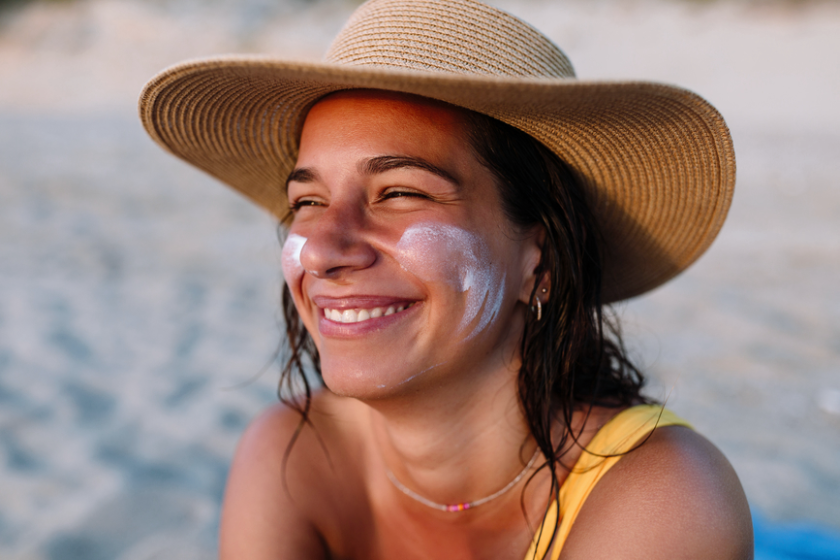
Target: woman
[(458, 210)]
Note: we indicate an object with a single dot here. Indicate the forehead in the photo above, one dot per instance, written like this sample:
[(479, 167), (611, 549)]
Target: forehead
[(374, 113), (393, 101)]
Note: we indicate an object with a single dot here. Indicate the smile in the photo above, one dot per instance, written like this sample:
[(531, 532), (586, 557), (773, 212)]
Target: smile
[(359, 315)]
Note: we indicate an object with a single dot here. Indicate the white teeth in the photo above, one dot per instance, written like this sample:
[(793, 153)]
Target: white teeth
[(359, 315)]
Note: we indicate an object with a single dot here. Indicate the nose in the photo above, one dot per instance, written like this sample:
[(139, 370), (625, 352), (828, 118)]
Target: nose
[(336, 244)]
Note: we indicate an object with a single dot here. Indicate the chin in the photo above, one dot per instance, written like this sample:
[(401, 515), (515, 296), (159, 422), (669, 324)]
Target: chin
[(367, 381)]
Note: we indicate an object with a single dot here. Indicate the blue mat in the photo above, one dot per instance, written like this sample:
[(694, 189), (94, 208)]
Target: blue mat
[(794, 541)]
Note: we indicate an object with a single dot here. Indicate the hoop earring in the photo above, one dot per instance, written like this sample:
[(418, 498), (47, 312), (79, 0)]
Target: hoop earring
[(539, 310)]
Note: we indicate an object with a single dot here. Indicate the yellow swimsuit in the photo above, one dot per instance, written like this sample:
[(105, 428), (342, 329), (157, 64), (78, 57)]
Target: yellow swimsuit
[(619, 435)]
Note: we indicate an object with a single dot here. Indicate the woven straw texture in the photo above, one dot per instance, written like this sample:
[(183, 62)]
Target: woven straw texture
[(656, 161)]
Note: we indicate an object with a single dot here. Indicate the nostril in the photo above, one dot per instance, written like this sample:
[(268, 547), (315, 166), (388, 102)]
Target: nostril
[(333, 271)]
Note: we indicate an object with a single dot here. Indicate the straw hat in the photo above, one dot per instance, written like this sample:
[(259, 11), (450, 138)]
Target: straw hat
[(656, 161)]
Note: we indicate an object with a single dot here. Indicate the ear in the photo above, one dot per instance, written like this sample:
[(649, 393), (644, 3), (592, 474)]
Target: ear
[(532, 252)]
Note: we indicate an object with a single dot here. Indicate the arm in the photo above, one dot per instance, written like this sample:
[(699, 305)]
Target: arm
[(260, 521), (676, 497)]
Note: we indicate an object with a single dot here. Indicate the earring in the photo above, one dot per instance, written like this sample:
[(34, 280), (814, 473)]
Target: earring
[(539, 310)]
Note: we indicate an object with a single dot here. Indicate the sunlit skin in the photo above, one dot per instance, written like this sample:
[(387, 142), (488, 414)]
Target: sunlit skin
[(392, 208)]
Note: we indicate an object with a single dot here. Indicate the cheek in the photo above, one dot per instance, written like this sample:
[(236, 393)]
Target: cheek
[(484, 299), (437, 253), (290, 259), (461, 260)]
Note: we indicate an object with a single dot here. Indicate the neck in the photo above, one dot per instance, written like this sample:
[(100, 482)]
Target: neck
[(455, 442)]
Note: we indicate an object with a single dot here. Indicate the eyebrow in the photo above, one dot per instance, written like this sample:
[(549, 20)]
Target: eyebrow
[(381, 164), (302, 175), (376, 165)]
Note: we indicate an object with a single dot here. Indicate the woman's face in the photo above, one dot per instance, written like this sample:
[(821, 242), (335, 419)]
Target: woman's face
[(400, 259)]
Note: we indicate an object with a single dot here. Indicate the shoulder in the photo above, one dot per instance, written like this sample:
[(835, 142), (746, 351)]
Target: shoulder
[(676, 496), (281, 481)]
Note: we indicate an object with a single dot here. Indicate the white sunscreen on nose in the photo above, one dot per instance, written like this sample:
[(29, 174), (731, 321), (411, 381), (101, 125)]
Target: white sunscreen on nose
[(445, 253), (290, 257)]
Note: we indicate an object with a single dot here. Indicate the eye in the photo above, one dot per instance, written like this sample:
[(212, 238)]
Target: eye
[(403, 193), (296, 205)]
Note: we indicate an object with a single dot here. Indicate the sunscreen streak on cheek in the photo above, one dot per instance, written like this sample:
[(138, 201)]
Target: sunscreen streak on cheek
[(290, 258), (444, 253), (487, 297)]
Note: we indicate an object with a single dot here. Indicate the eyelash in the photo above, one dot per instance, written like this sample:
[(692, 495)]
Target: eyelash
[(402, 193), (297, 205)]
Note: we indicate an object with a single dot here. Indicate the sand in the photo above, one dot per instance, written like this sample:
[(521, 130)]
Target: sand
[(139, 298)]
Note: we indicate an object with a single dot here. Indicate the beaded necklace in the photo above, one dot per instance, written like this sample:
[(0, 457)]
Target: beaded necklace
[(465, 505)]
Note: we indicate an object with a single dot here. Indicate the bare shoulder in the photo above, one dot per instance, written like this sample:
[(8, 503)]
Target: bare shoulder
[(274, 505), (676, 496)]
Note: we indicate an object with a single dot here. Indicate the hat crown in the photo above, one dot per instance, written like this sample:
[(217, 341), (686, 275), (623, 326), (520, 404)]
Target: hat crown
[(446, 36)]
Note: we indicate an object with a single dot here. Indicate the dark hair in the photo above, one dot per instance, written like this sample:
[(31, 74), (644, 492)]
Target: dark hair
[(573, 358)]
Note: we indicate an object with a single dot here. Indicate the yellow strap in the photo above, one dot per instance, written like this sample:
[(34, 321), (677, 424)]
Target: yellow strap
[(618, 436)]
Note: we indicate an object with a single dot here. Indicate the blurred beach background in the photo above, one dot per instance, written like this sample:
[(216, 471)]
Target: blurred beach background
[(139, 298)]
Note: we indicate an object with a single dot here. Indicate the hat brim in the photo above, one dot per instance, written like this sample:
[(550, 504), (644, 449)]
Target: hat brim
[(656, 161)]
